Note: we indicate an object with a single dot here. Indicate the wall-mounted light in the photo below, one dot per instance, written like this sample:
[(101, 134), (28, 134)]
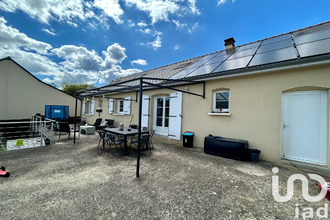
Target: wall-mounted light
[(186, 89)]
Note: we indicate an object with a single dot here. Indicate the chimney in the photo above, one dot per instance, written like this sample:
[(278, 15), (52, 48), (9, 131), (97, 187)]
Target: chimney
[(229, 43)]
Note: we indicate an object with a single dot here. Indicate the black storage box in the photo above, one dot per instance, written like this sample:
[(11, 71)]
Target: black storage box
[(227, 147)]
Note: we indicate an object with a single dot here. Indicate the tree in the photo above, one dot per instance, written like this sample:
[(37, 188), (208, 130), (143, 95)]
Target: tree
[(71, 89)]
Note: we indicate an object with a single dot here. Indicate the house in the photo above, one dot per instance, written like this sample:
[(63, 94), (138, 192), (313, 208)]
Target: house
[(23, 95), (273, 92)]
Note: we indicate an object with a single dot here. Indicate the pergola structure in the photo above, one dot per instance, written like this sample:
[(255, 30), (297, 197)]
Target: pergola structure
[(139, 85)]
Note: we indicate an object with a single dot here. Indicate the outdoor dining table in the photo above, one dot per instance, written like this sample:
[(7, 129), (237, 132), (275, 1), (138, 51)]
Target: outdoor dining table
[(125, 132)]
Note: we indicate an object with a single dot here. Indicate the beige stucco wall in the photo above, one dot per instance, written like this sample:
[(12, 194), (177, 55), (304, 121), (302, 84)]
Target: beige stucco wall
[(22, 95), (255, 107)]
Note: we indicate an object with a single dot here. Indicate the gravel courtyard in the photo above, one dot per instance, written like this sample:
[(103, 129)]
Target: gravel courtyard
[(80, 181)]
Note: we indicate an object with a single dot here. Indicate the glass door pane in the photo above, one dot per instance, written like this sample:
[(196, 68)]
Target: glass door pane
[(159, 120), (167, 110)]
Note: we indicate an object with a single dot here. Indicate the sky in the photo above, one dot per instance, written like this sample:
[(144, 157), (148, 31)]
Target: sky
[(97, 41)]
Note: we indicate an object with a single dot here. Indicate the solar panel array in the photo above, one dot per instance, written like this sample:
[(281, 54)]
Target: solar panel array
[(295, 45)]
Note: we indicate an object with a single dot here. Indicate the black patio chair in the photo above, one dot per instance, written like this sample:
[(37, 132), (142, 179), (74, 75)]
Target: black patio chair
[(144, 141), (134, 137), (97, 124), (103, 137), (133, 126), (110, 123), (151, 145), (117, 141), (63, 127)]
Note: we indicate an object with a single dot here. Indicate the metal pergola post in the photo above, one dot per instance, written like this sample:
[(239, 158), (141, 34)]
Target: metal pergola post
[(139, 130), (75, 120)]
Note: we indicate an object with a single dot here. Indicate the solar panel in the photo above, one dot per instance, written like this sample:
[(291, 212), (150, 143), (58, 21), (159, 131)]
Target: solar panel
[(198, 63), (274, 56), (183, 73), (243, 53), (208, 57), (306, 38), (205, 69), (314, 48), (249, 46), (233, 64), (277, 38), (194, 66), (275, 46)]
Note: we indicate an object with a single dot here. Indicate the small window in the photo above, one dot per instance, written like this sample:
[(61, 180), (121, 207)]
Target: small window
[(121, 106), (88, 107), (221, 101)]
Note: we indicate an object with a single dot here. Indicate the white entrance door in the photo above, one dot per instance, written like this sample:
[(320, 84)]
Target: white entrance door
[(161, 114), (304, 126)]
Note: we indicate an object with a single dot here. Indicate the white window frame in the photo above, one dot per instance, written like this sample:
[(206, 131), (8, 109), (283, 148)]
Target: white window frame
[(88, 107), (223, 110), (118, 106)]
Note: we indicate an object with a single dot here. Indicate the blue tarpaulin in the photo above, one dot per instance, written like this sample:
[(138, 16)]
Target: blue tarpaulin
[(59, 112)]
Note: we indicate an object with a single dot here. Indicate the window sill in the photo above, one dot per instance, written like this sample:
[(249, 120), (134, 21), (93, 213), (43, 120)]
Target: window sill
[(118, 114), (219, 114)]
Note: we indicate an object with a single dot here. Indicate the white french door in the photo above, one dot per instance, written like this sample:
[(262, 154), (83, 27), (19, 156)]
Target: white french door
[(304, 126), (161, 114)]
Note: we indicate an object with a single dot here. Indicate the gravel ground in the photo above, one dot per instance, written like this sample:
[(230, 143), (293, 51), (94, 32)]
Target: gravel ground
[(67, 181)]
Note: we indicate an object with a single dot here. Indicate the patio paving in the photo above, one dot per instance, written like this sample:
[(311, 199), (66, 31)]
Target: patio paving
[(67, 181)]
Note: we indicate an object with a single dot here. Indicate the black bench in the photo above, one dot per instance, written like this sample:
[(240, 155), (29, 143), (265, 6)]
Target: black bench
[(227, 147)]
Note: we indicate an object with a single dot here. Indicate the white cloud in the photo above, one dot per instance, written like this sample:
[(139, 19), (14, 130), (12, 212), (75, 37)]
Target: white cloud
[(131, 23), (139, 62), (114, 54), (176, 47), (193, 8), (145, 31), (115, 72), (158, 10), (157, 43), (78, 65), (51, 32), (69, 11), (111, 9), (193, 28), (142, 24), (45, 11), (78, 58), (11, 38), (178, 24), (221, 2)]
